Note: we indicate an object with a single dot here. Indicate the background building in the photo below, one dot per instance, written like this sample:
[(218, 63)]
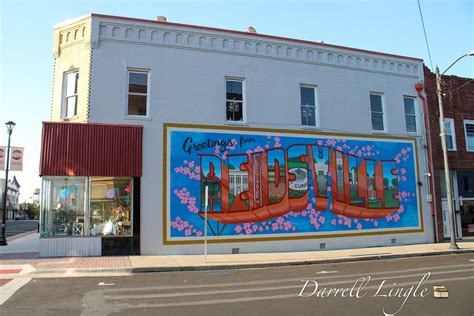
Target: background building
[(13, 197), (145, 113), (458, 102)]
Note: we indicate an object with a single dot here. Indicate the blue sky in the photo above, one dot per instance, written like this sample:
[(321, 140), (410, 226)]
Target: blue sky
[(387, 26)]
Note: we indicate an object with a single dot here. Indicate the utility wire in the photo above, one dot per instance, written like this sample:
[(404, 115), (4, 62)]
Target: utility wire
[(426, 37), (451, 91)]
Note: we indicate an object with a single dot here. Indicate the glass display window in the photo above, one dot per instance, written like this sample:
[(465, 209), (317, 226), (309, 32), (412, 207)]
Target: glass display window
[(86, 206), (64, 207), (110, 206)]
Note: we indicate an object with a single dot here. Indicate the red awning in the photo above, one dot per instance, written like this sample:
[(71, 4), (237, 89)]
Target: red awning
[(90, 149)]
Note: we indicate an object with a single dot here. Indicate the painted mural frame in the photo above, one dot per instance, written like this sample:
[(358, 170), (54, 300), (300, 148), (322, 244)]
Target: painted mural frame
[(166, 171)]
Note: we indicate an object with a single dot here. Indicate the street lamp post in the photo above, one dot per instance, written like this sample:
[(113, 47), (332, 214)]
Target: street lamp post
[(3, 239), (447, 178)]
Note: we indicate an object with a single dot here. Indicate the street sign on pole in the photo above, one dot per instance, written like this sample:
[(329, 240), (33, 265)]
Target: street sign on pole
[(3, 154), (16, 163), (205, 222)]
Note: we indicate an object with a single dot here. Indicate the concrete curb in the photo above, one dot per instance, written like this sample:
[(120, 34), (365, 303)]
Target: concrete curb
[(83, 270), (204, 267)]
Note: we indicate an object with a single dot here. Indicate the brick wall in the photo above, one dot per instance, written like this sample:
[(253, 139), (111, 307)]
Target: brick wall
[(458, 104)]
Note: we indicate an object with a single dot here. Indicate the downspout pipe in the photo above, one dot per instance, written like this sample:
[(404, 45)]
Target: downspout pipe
[(419, 89)]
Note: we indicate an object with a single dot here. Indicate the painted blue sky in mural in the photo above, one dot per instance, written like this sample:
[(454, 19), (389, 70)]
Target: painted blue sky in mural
[(184, 210)]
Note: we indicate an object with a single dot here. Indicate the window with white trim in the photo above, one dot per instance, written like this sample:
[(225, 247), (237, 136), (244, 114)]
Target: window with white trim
[(469, 134), (137, 94), (410, 114), (235, 100), (377, 111), (309, 107), (71, 79), (450, 134)]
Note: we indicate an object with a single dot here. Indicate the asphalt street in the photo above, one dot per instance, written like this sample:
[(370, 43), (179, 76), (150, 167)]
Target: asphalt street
[(396, 287)]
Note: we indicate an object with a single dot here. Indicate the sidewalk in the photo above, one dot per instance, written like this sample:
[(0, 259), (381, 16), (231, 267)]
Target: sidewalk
[(24, 251), (214, 262), (25, 242)]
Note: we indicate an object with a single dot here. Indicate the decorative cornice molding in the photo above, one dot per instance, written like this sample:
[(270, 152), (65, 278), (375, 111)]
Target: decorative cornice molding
[(263, 48), (69, 36)]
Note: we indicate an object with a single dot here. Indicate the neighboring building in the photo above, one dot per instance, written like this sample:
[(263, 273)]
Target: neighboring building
[(147, 114), (13, 197), (458, 105)]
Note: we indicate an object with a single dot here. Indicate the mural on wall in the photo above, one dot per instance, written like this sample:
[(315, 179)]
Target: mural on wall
[(274, 184)]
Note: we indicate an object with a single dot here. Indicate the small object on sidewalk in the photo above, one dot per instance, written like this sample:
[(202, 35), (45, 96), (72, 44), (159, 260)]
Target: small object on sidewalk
[(103, 283), (440, 291)]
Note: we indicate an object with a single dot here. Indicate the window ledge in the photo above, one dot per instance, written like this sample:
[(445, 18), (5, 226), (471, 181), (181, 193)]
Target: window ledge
[(380, 132), (231, 123), (69, 119), (310, 128), (137, 118)]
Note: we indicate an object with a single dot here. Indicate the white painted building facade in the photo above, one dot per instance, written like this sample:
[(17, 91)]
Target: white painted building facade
[(186, 70)]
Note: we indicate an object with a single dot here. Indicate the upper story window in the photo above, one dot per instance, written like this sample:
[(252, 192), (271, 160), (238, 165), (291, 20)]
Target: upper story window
[(377, 111), (70, 94), (235, 100), (469, 134), (309, 108), (410, 114), (450, 134), (138, 93)]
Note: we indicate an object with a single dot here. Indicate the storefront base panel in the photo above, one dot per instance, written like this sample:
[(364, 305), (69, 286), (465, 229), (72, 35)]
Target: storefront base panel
[(70, 247), (120, 246)]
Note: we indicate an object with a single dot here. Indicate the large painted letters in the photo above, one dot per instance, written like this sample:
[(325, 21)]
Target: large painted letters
[(251, 197), (281, 184)]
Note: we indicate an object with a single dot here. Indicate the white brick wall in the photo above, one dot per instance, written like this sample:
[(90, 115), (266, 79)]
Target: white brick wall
[(187, 85)]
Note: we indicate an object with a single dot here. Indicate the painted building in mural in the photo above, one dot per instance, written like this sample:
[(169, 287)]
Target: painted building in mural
[(300, 145)]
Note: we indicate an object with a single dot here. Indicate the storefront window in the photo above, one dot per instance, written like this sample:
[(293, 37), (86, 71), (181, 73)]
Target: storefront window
[(110, 206), (443, 184), (466, 184), (86, 206), (64, 208)]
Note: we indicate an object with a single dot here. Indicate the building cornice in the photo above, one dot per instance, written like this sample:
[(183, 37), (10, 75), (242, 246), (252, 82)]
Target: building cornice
[(247, 34), (170, 35), (70, 35)]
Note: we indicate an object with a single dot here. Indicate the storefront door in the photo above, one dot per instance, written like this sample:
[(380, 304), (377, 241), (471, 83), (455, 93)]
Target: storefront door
[(447, 234), (467, 217), (455, 204), (465, 200)]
